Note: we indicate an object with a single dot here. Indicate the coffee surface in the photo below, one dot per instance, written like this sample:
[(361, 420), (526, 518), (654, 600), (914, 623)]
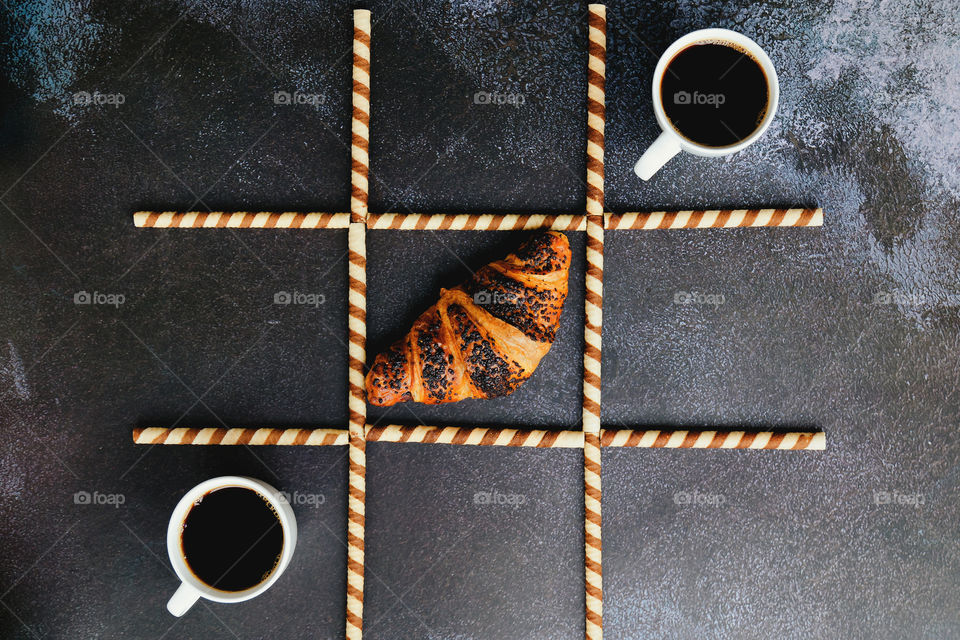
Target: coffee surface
[(714, 94), (232, 539)]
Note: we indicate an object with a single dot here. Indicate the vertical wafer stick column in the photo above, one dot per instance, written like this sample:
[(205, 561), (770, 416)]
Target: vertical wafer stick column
[(357, 407), (360, 126), (357, 324), (596, 71), (596, 107)]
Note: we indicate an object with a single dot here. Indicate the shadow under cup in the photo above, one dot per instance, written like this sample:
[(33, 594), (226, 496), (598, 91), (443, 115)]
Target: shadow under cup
[(714, 93)]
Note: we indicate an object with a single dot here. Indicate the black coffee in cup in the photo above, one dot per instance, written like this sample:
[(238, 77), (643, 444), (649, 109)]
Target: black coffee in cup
[(232, 539), (714, 94)]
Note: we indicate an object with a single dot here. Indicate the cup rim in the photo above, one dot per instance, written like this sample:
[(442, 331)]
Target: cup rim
[(179, 514), (736, 38)]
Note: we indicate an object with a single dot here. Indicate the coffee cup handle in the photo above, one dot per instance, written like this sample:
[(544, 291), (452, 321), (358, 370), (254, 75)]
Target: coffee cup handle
[(182, 600), (658, 154)]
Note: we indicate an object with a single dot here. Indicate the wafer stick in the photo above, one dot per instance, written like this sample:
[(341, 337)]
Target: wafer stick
[(473, 222), (476, 436), (680, 439), (656, 220), (596, 106), (716, 218), (267, 436), (596, 114), (239, 220), (360, 125), (357, 323), (484, 436), (357, 407)]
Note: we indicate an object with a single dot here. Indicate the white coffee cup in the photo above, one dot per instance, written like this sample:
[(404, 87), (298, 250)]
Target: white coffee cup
[(191, 587), (671, 142)]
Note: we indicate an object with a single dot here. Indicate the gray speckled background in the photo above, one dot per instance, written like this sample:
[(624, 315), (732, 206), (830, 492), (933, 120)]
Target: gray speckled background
[(853, 327)]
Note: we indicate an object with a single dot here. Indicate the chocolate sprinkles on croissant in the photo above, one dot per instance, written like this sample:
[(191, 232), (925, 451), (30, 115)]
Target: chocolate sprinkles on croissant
[(483, 338)]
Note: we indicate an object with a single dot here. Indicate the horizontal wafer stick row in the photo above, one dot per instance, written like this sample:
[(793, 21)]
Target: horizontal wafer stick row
[(679, 439), (269, 435), (483, 436), (391, 433), (656, 220), (699, 219), (715, 219), (240, 220), (474, 222), (476, 436)]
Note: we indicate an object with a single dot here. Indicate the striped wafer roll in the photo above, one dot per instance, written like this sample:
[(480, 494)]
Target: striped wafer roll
[(357, 324), (640, 438), (357, 406), (360, 127), (310, 437), (476, 436), (678, 439), (593, 546), (596, 106), (239, 220), (474, 222), (593, 325), (596, 72), (357, 321), (716, 219)]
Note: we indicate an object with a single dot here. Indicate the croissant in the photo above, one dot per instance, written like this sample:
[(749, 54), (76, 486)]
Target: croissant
[(483, 338)]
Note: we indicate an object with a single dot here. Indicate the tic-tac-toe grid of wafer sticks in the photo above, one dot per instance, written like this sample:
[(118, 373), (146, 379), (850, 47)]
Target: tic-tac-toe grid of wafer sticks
[(591, 438)]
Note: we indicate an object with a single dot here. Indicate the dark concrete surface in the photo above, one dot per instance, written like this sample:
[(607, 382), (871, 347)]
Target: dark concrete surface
[(852, 328)]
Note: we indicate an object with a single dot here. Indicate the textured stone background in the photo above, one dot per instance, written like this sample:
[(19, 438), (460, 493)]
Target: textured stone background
[(777, 545)]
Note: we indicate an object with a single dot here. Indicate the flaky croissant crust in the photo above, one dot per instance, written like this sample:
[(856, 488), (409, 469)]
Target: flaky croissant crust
[(483, 338)]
